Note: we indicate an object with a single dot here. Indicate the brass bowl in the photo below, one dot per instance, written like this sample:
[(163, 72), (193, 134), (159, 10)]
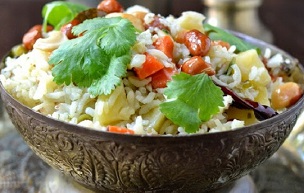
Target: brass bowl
[(110, 162)]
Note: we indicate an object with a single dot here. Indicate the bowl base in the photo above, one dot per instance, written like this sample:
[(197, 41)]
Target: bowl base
[(23, 172), (57, 182)]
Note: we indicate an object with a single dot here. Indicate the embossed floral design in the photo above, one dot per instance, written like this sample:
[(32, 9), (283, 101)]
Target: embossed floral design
[(101, 161)]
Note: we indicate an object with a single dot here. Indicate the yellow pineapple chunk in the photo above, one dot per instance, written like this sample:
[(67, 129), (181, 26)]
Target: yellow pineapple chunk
[(191, 20), (252, 68), (262, 97), (242, 114), (113, 108), (156, 119)]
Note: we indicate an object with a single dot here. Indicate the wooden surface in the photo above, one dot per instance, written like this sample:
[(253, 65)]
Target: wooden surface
[(283, 18)]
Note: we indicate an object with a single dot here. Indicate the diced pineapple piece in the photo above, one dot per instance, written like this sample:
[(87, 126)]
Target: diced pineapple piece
[(191, 20), (156, 119), (262, 96), (252, 68), (113, 108), (242, 114), (18, 50)]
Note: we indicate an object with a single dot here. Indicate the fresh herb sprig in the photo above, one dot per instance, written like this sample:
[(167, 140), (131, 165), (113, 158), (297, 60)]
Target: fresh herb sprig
[(58, 13), (191, 100), (98, 58)]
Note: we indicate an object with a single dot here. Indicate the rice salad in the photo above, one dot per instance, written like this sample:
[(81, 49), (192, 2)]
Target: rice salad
[(141, 99)]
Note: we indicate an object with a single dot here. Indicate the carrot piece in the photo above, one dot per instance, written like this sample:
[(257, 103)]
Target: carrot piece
[(160, 78), (149, 67), (117, 129), (166, 45)]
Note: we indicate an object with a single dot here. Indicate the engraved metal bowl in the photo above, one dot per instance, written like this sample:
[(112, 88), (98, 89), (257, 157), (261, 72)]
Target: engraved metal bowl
[(110, 162)]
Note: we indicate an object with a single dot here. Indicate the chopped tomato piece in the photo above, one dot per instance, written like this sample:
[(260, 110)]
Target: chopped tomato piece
[(149, 67), (117, 129)]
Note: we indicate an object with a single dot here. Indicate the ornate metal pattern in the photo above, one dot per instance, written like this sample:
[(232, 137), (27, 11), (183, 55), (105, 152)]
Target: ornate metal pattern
[(138, 164)]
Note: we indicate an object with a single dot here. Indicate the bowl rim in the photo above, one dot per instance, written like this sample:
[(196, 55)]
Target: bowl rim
[(77, 129)]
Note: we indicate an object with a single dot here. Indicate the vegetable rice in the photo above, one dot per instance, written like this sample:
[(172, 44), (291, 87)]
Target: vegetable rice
[(132, 101)]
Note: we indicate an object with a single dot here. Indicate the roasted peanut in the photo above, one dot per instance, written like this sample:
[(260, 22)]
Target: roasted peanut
[(34, 33), (67, 28), (110, 6), (156, 23), (286, 95), (197, 42), (221, 43), (197, 65)]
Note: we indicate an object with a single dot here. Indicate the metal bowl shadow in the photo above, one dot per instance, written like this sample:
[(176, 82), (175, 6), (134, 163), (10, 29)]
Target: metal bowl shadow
[(110, 162)]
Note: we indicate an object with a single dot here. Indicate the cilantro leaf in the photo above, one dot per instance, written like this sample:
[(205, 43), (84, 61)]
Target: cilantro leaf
[(114, 73), (216, 33), (112, 29), (191, 100), (58, 13), (98, 58)]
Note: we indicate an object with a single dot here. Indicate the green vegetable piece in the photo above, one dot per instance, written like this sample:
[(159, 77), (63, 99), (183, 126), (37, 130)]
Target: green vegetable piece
[(191, 100), (58, 13), (216, 33), (98, 58)]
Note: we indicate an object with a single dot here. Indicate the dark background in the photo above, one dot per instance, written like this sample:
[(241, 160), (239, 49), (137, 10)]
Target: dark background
[(283, 17)]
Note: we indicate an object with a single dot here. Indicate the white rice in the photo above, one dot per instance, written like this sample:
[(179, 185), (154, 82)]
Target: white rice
[(134, 104)]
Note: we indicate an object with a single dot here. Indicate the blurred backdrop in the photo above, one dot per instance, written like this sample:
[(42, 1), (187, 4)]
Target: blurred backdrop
[(280, 19)]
